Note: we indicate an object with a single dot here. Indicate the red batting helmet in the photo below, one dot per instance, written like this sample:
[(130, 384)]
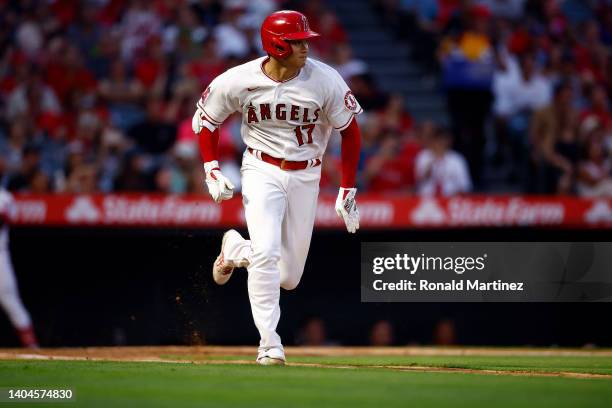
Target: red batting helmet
[(283, 26)]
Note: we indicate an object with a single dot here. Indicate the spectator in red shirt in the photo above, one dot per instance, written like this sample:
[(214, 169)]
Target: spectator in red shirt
[(66, 72), (332, 34), (151, 69), (389, 171), (208, 66)]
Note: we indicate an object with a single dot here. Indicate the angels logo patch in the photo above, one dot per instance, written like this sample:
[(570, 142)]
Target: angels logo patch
[(350, 102), (205, 95)]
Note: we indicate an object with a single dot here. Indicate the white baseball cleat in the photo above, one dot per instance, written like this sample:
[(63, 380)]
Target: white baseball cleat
[(222, 269), (271, 356)]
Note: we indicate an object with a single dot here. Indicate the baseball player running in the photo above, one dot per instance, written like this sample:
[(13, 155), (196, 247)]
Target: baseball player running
[(289, 104), (9, 295)]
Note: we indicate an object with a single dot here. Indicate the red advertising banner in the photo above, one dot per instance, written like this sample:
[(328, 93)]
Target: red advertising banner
[(377, 212)]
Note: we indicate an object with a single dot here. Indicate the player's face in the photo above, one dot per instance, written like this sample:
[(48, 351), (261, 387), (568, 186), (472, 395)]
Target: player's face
[(300, 53)]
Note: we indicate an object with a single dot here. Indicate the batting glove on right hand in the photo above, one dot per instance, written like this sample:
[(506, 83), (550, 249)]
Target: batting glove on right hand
[(219, 186), (346, 207)]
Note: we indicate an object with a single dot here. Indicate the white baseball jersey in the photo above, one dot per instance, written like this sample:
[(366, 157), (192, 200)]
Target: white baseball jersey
[(292, 119), (7, 211)]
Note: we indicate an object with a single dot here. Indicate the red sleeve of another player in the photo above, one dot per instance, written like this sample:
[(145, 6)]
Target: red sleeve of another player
[(209, 141), (351, 144)]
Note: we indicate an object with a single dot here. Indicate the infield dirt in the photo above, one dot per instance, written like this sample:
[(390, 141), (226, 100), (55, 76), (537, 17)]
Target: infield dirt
[(216, 354)]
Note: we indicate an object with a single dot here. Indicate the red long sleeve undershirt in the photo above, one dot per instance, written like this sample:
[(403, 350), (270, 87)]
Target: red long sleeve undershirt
[(209, 142), (351, 145)]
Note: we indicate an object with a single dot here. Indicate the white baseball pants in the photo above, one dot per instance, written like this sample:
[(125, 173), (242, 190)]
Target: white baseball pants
[(9, 295), (280, 210)]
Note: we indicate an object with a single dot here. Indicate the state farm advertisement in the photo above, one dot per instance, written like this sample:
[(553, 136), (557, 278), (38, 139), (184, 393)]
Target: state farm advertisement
[(152, 210)]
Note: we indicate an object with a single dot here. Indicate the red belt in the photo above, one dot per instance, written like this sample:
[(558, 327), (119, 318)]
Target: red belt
[(284, 164)]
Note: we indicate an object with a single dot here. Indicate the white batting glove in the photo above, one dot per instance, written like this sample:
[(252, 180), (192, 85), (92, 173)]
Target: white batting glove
[(346, 207), (219, 186)]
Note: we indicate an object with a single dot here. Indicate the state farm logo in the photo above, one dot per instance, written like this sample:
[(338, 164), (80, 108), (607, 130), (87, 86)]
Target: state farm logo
[(472, 212), (82, 209), (119, 210), (514, 211), (599, 212), (428, 212), (30, 211), (154, 211)]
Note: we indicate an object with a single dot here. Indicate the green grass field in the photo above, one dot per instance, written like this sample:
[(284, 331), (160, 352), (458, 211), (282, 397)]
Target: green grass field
[(207, 382), (535, 364)]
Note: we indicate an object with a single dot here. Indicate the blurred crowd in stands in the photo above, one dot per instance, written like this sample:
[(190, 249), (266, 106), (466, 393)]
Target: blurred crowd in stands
[(97, 95), (527, 85)]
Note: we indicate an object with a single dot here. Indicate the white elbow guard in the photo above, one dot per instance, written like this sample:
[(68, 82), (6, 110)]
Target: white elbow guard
[(198, 122)]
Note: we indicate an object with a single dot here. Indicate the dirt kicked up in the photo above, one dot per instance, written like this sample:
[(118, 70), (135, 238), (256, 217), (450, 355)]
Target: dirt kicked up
[(572, 363)]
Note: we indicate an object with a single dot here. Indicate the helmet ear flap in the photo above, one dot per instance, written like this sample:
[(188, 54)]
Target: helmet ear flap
[(282, 49)]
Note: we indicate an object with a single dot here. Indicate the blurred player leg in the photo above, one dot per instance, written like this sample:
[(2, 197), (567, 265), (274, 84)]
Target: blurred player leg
[(11, 303), (303, 190)]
